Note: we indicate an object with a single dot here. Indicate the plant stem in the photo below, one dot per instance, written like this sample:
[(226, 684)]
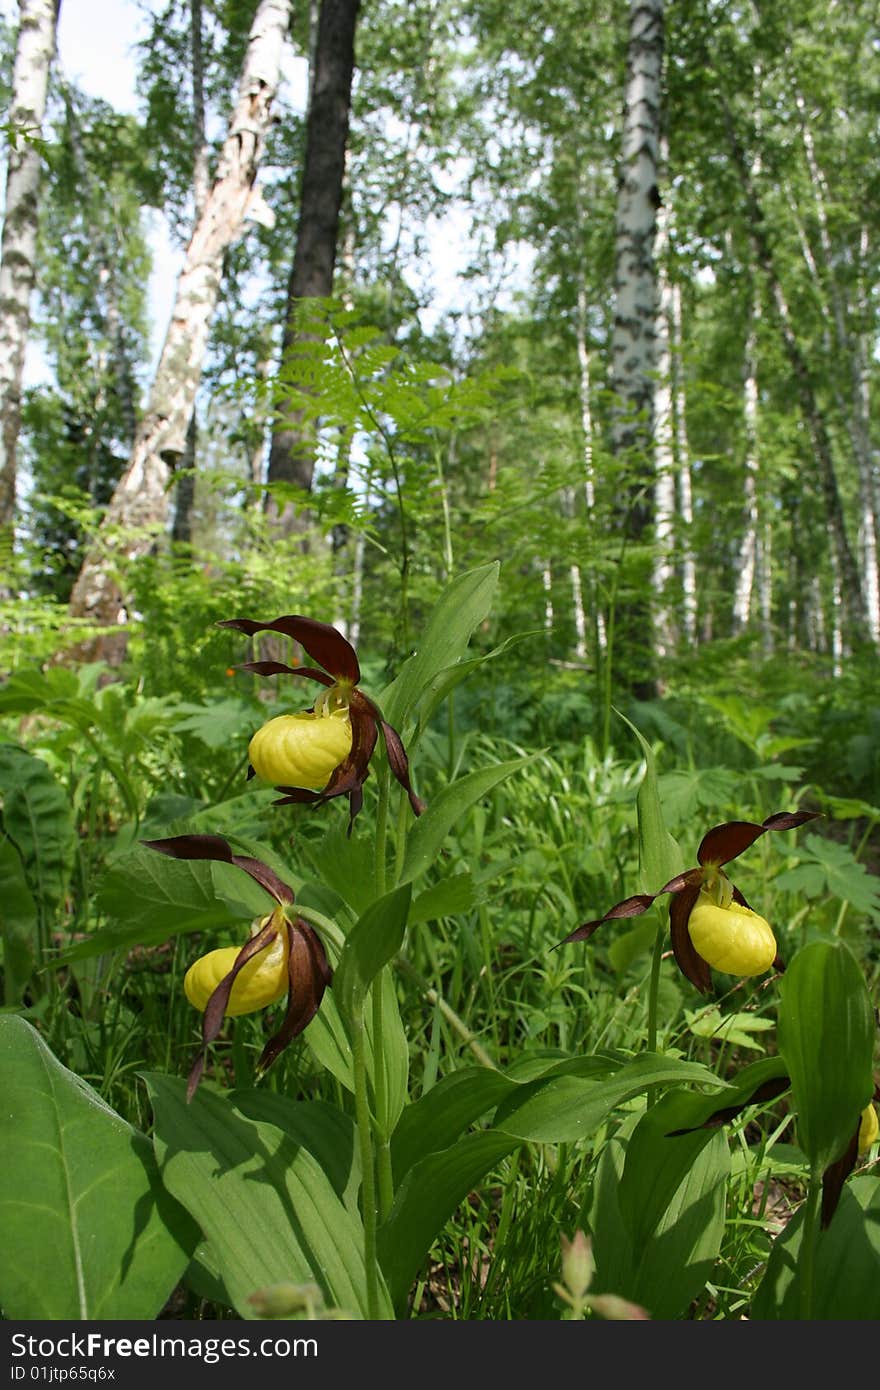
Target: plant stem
[(382, 832), (654, 987), (380, 1091), (808, 1243), (368, 1181)]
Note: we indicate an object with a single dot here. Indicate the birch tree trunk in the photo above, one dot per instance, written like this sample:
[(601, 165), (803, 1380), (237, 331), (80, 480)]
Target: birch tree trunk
[(138, 509), (748, 550), (633, 343), (597, 616), (664, 452), (35, 48), (292, 454), (685, 480)]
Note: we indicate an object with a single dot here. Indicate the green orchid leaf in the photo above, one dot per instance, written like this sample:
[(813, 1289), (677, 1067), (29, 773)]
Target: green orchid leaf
[(19, 922), (262, 1199), (425, 1200), (426, 836), (88, 1231), (462, 606), (846, 1285), (374, 940), (826, 1034), (660, 858)]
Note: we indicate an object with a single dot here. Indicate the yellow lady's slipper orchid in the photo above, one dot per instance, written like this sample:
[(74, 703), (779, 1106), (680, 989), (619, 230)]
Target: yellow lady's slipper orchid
[(869, 1129), (711, 924), (262, 981), (324, 752), (734, 938), (301, 750)]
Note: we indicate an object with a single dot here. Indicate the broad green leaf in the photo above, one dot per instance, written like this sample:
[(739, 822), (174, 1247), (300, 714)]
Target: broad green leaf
[(445, 681), (436, 1120), (736, 1029), (264, 1202), (666, 1271), (330, 1043), (38, 820), (658, 1159), (148, 898), (218, 725), (447, 898), (660, 858), (462, 606), (347, 865), (846, 1286), (827, 867), (446, 809), (826, 1035), (561, 1108), (88, 1232), (426, 1199), (18, 923), (327, 1132), (374, 940)]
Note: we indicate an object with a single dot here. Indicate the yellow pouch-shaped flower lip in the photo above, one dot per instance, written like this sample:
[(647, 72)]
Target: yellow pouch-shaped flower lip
[(263, 980), (869, 1129), (301, 750), (733, 939)]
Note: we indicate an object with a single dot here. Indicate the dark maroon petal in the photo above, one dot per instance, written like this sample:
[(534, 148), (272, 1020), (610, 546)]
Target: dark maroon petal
[(767, 1091), (309, 975), (684, 880), (789, 820), (212, 1019), (215, 848), (629, 907), (193, 847), (691, 965), (835, 1176), (301, 795), (322, 642), (278, 668), (738, 897), (266, 877), (724, 842), (399, 764)]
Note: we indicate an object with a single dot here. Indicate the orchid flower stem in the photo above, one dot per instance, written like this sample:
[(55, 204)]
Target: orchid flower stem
[(653, 992), (380, 1091), (365, 1144), (809, 1237), (382, 831)]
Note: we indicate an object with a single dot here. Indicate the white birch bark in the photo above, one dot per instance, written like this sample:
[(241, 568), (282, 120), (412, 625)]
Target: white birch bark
[(684, 478), (748, 550), (633, 343), (663, 570), (583, 354), (138, 509), (33, 57)]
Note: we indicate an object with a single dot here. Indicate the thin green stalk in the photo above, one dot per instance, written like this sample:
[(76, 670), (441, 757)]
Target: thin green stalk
[(654, 986), (382, 831), (380, 1091), (809, 1237), (368, 1181)]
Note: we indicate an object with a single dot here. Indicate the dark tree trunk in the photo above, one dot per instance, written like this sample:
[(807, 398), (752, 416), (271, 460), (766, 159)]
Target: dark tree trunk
[(292, 454)]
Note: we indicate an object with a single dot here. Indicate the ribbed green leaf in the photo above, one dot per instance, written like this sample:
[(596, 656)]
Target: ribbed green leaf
[(38, 820), (263, 1200), (446, 810), (373, 941), (826, 1035), (18, 922), (88, 1231), (462, 606)]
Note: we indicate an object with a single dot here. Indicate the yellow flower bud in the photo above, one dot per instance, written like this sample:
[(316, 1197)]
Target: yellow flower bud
[(260, 982), (869, 1129), (733, 939), (301, 750)]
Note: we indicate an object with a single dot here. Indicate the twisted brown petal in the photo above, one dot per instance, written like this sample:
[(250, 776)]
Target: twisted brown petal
[(725, 842), (835, 1176), (629, 907), (278, 668), (212, 1019), (322, 642), (214, 847), (399, 764), (692, 966), (309, 975), (767, 1091)]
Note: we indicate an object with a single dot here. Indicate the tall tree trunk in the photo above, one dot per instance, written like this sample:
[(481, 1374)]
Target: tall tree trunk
[(633, 343), (634, 335), (685, 480), (292, 454), (138, 509), (35, 48), (583, 354), (846, 581), (664, 452), (748, 550), (185, 486)]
